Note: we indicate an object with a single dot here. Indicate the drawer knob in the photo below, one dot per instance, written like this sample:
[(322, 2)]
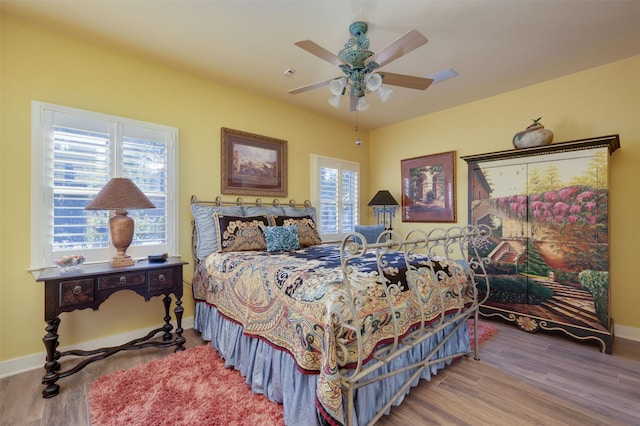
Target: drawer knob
[(123, 280), (77, 290), (161, 278)]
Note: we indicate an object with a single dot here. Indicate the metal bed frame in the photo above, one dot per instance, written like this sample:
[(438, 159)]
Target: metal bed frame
[(457, 246)]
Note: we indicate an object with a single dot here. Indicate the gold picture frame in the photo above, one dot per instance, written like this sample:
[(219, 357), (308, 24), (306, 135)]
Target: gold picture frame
[(429, 188), (253, 164)]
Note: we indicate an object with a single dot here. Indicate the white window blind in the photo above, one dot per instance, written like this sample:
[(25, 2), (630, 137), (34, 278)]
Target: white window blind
[(336, 194), (74, 154)]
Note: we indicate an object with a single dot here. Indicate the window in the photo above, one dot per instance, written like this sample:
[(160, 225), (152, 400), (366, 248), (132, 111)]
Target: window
[(74, 154), (335, 193)]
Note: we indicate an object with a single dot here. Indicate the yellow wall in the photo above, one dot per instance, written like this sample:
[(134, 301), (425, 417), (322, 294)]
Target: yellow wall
[(597, 102), (39, 64)]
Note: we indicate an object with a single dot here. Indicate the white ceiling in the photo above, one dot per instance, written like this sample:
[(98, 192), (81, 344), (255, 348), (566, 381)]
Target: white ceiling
[(495, 46)]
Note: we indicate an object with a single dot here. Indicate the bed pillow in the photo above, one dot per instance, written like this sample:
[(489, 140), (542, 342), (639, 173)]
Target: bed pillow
[(205, 223), (297, 212), (262, 210), (307, 232), (281, 238), (240, 233), (370, 232)]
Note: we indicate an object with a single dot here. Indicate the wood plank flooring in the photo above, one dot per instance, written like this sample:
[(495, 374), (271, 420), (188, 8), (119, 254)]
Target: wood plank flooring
[(522, 378)]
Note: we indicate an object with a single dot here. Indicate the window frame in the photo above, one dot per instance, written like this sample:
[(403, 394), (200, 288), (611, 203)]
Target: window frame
[(318, 161), (42, 253)]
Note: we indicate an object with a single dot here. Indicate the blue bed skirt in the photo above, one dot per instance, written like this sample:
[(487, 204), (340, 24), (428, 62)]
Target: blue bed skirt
[(269, 371)]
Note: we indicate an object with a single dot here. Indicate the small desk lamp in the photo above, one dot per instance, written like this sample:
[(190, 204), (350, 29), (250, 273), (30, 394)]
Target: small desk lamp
[(120, 194), (383, 203)]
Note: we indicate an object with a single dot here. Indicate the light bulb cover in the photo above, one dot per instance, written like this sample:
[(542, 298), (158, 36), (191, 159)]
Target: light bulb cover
[(334, 101), (373, 82), (384, 93), (362, 104), (337, 86)]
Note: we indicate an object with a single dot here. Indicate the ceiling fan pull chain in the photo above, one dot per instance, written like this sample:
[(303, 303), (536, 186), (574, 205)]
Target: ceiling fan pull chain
[(358, 140)]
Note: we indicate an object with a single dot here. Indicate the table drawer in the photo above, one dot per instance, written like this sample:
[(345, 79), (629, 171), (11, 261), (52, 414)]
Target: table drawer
[(76, 292), (161, 279), (121, 280)]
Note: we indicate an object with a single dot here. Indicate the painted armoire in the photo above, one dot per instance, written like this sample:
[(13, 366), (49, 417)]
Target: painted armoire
[(548, 209)]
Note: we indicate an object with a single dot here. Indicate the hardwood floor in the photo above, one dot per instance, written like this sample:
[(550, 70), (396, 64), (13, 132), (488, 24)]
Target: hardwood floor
[(530, 379), (522, 379)]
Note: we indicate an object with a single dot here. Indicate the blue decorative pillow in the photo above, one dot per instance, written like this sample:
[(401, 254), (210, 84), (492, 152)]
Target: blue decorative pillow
[(281, 238), (261, 210), (297, 212), (370, 232), (307, 232)]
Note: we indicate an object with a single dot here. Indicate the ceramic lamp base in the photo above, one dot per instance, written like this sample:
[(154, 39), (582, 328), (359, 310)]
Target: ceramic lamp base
[(122, 261), (121, 227)]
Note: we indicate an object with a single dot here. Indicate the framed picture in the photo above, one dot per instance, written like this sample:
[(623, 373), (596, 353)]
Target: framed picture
[(429, 188), (253, 164)]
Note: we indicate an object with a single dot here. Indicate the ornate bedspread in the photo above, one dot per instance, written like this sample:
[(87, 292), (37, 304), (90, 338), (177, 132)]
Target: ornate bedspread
[(296, 301)]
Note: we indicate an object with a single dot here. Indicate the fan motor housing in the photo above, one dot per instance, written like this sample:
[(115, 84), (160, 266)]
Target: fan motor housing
[(358, 28), (357, 57)]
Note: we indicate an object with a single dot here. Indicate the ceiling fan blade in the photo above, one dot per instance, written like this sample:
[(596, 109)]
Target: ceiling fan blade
[(310, 86), (408, 81), (320, 52), (405, 44)]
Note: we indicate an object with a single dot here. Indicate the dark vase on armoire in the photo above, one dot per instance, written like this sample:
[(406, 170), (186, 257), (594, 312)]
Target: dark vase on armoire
[(549, 212)]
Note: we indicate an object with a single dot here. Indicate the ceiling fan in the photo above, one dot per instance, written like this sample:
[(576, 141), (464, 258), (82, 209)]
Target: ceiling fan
[(358, 64)]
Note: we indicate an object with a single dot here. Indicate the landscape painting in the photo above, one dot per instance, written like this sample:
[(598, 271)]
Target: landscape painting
[(428, 188), (253, 164)]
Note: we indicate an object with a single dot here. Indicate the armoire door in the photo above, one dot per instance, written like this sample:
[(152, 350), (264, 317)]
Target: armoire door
[(548, 211)]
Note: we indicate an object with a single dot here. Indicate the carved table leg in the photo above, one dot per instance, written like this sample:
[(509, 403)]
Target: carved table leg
[(167, 318), (51, 365), (179, 339)]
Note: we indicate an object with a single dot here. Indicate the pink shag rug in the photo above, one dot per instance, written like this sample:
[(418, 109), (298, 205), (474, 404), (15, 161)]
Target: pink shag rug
[(189, 388), (186, 388), (485, 332)]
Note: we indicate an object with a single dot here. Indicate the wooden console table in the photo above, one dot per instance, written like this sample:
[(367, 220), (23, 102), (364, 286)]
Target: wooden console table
[(92, 285)]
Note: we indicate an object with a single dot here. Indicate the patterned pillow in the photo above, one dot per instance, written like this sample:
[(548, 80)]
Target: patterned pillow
[(205, 222), (237, 233), (281, 238), (307, 232)]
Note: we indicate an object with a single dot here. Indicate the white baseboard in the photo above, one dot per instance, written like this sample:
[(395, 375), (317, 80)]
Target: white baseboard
[(34, 361), (626, 332)]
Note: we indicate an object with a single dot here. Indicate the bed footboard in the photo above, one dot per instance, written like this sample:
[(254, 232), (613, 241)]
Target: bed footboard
[(438, 296)]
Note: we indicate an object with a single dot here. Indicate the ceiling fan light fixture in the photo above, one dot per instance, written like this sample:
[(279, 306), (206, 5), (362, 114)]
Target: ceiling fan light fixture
[(384, 93), (358, 64), (334, 101), (373, 82), (337, 86), (362, 104)]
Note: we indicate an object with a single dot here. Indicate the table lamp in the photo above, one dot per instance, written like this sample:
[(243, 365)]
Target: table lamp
[(382, 203), (120, 194)]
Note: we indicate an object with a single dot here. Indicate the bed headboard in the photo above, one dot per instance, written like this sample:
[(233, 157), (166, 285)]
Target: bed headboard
[(203, 234)]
